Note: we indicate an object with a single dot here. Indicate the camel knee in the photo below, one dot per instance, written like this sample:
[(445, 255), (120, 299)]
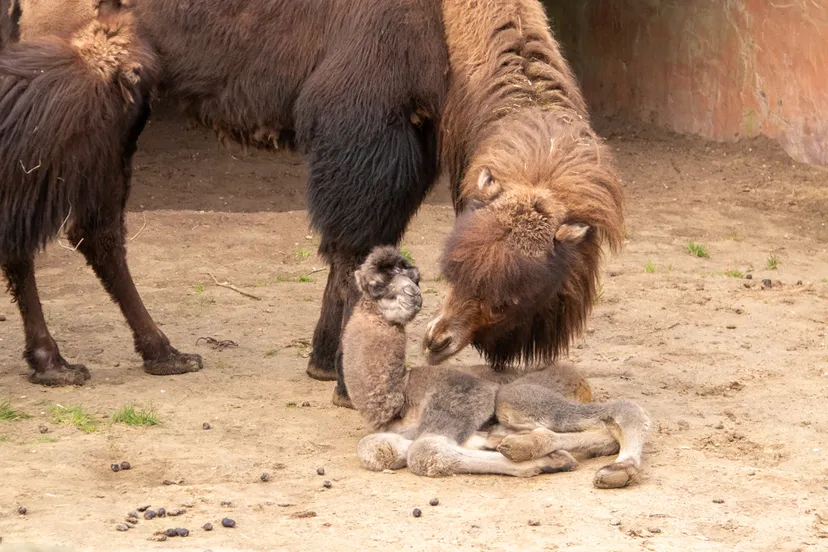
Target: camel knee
[(383, 451)]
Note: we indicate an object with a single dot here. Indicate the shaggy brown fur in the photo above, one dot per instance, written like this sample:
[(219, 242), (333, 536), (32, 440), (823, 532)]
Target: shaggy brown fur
[(9, 22), (427, 413), (527, 171), (71, 110)]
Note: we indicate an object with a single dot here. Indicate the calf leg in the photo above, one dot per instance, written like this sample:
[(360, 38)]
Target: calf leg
[(104, 249), (528, 407), (47, 366), (439, 456)]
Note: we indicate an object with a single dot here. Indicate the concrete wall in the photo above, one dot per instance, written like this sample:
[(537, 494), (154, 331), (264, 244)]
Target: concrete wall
[(723, 69)]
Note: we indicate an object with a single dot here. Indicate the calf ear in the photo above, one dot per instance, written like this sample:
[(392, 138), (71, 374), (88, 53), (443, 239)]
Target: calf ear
[(571, 233)]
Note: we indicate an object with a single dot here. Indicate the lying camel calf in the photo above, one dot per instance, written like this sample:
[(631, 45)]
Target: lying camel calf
[(444, 421)]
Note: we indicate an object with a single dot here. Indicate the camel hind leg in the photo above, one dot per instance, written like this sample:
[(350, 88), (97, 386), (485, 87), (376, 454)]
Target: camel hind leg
[(551, 423), (47, 365)]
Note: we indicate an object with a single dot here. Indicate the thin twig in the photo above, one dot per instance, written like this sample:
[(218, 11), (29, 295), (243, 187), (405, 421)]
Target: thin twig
[(33, 169), (228, 285), (315, 270), (142, 228), (60, 230)]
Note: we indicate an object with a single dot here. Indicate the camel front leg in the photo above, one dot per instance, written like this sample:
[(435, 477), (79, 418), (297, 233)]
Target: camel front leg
[(438, 456)]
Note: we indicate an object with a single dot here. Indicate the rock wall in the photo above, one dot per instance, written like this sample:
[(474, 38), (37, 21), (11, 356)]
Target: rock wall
[(722, 69)]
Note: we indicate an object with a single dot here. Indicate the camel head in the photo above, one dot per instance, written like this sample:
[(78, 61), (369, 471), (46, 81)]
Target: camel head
[(522, 259)]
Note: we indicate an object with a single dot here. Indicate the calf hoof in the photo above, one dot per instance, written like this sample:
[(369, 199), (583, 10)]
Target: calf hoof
[(519, 447), (342, 401), (61, 375), (616, 476), (558, 461), (319, 373), (176, 363)]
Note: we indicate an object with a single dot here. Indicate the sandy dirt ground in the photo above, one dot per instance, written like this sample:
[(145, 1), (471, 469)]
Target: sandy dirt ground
[(735, 374)]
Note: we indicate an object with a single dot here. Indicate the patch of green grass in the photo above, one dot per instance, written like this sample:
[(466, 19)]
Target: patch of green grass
[(199, 288), (271, 353), (734, 274), (304, 278), (73, 416), (132, 415), (407, 255), (773, 262), (9, 414), (732, 235), (46, 439), (5, 438), (649, 268), (697, 250), (291, 405), (205, 301), (301, 253), (824, 281)]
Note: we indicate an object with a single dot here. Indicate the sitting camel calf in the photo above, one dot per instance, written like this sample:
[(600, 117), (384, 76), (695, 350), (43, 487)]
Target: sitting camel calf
[(444, 421)]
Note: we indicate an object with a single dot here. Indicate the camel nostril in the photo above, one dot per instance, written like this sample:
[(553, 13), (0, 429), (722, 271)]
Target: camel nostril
[(441, 345)]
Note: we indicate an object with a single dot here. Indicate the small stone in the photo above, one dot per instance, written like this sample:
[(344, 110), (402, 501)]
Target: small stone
[(22, 510), (2, 317), (306, 404), (615, 522), (143, 508), (533, 523), (265, 477), (206, 425), (149, 514), (227, 522), (654, 530), (43, 429), (718, 501), (157, 538), (161, 512), (748, 276), (133, 514), (320, 471), (171, 532), (132, 522), (177, 512), (169, 482), (226, 503), (720, 425), (767, 283), (122, 527), (799, 282), (327, 484), (115, 467), (207, 526), (730, 327), (434, 501), (126, 466), (417, 512), (182, 532)]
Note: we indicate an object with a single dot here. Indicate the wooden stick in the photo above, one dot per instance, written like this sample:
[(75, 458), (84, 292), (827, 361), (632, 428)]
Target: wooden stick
[(228, 285)]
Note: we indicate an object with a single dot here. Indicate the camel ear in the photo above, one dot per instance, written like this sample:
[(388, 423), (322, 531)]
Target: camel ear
[(485, 179), (571, 233)]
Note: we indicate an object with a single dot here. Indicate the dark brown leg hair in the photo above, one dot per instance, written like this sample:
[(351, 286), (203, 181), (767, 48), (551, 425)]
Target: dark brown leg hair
[(47, 366), (104, 249)]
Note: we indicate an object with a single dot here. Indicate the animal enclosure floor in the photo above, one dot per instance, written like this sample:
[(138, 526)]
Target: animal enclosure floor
[(734, 374)]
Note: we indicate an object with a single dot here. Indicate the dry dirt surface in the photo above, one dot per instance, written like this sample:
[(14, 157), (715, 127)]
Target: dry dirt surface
[(734, 372)]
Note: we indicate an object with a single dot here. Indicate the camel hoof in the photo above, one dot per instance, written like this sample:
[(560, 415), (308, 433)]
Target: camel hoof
[(558, 461), (176, 363), (615, 476), (318, 373), (63, 374), (342, 401), (518, 447)]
